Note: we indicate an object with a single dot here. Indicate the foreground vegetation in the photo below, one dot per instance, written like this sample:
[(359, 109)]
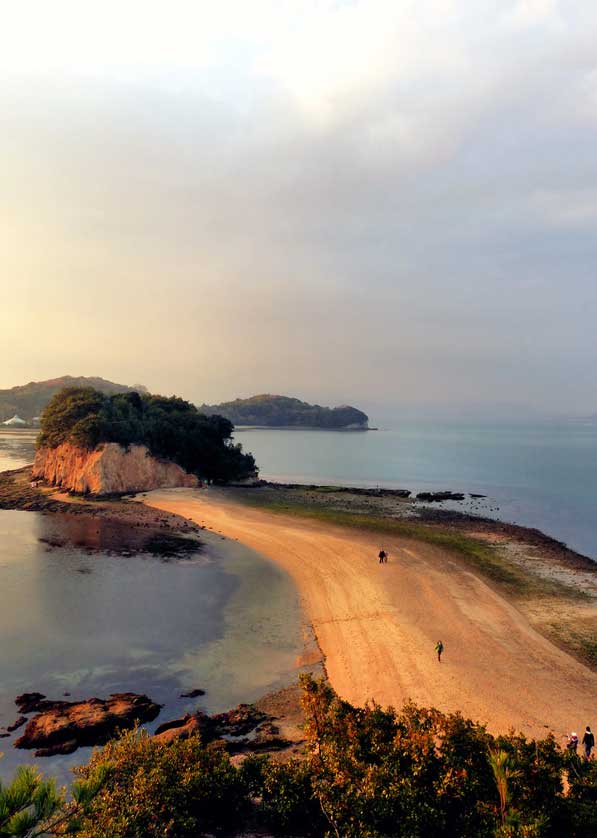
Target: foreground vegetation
[(366, 772), (170, 427)]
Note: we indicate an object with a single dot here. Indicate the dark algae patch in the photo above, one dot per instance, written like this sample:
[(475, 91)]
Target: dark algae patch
[(114, 526), (93, 534)]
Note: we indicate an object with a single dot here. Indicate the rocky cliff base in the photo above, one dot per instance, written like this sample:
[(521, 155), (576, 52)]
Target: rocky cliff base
[(108, 469)]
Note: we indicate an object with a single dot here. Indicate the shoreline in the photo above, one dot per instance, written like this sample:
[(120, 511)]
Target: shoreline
[(16, 493), (172, 535), (511, 614), (297, 428), (377, 626)]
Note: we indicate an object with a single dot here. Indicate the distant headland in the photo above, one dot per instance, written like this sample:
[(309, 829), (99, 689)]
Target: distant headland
[(272, 411), (23, 405)]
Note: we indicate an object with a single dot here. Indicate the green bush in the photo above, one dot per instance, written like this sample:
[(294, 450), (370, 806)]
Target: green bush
[(287, 803), (153, 789)]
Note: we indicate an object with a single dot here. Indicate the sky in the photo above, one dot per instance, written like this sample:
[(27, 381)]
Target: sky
[(392, 205)]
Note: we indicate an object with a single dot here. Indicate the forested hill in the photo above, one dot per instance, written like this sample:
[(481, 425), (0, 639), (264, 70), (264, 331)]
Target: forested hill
[(28, 400), (283, 411)]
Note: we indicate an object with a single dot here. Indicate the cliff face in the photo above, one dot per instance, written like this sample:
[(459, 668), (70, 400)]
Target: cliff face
[(108, 469)]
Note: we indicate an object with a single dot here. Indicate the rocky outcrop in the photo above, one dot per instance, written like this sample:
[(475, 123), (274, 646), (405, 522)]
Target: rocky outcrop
[(108, 469), (241, 730), (189, 725), (66, 725), (196, 693), (439, 497)]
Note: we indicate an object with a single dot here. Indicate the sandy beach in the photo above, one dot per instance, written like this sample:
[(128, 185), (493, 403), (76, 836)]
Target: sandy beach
[(377, 625)]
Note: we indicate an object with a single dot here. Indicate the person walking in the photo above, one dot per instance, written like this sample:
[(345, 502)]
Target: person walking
[(588, 742), (439, 648), (383, 556), (572, 742)]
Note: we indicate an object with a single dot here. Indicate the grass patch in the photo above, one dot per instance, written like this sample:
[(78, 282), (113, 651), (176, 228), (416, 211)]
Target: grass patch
[(573, 635)]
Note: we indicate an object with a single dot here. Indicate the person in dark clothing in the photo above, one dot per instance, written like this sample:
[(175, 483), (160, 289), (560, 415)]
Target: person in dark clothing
[(588, 742), (439, 648), (383, 556)]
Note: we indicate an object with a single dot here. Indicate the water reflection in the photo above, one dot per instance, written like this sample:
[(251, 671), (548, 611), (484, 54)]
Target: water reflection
[(94, 533), (83, 611), (17, 448)]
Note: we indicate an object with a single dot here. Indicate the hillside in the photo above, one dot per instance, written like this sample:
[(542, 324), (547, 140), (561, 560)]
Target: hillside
[(283, 411), (28, 400)]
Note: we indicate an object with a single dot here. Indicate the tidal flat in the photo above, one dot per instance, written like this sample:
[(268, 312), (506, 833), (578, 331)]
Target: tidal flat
[(106, 597)]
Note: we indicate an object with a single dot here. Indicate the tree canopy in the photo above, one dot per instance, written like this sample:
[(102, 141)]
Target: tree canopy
[(278, 411), (28, 400), (170, 427)]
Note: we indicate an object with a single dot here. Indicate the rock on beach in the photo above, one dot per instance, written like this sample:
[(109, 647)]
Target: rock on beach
[(63, 726)]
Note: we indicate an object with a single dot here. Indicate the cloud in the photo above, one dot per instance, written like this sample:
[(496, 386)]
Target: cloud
[(350, 200)]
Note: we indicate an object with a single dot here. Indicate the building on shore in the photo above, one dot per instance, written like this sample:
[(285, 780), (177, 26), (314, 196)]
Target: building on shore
[(15, 422)]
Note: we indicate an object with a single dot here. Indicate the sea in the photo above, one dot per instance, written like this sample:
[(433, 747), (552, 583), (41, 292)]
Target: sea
[(537, 474)]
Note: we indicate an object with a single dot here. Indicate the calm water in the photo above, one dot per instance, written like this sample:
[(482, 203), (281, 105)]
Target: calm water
[(88, 622), (16, 448), (541, 475)]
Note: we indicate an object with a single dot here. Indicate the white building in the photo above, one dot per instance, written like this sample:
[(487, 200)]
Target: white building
[(16, 421)]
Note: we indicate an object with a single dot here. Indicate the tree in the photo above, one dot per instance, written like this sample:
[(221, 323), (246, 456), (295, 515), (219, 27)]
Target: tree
[(27, 804), (503, 770)]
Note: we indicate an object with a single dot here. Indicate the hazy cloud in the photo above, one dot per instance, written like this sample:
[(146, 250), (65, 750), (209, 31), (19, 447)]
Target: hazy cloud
[(390, 204)]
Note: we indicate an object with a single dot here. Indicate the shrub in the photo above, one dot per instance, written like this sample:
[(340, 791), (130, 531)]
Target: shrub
[(154, 789), (287, 804)]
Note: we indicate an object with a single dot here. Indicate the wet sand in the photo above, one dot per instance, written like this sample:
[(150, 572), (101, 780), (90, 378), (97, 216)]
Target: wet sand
[(377, 625)]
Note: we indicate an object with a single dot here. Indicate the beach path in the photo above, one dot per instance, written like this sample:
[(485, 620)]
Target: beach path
[(377, 625)]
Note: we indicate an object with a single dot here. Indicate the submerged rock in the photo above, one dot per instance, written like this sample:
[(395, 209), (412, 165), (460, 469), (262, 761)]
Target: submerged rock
[(66, 725), (196, 693), (19, 722)]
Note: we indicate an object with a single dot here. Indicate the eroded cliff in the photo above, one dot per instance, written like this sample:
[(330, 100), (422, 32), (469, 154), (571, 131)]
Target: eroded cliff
[(108, 469)]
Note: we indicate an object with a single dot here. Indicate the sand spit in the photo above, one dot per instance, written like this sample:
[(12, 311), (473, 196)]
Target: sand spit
[(377, 625)]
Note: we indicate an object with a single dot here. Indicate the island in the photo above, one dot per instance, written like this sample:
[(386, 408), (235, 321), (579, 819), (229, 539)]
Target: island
[(272, 411), (99, 444)]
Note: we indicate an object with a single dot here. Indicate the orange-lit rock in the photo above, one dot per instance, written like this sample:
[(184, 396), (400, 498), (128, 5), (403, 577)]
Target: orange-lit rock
[(69, 724), (108, 469)]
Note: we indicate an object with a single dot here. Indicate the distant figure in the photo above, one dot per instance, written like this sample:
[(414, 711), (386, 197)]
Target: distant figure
[(572, 742), (383, 556), (439, 648), (588, 741)]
